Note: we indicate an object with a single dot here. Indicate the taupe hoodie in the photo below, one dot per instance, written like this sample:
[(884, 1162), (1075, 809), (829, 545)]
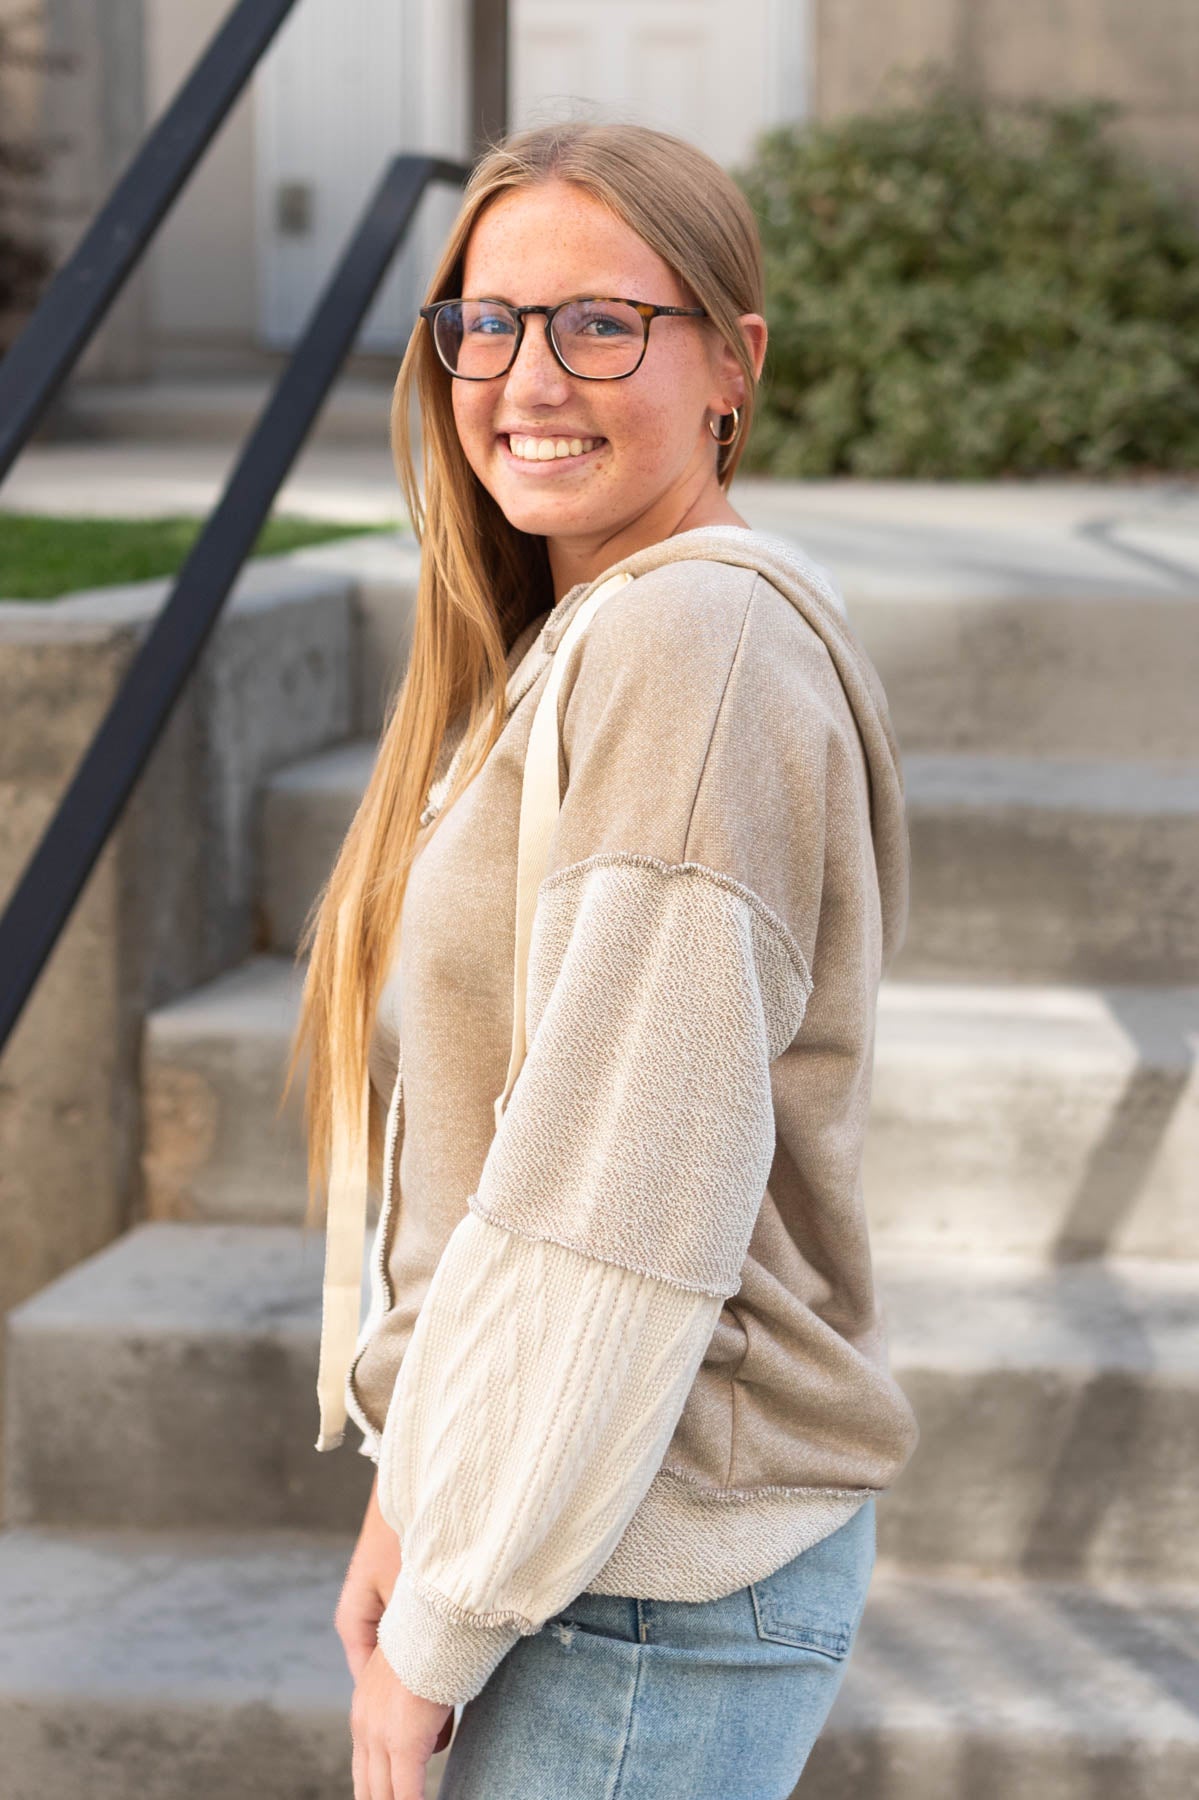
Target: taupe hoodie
[(630, 1342)]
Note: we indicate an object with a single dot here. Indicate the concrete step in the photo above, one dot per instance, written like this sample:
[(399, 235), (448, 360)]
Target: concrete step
[(1052, 1120), (1040, 618), (1058, 1410), (306, 811), (1040, 870), (219, 411), (1016, 1690), (216, 1146), (1057, 646), (1111, 672), (1011, 1119), (168, 1381), (176, 1668), (1022, 868)]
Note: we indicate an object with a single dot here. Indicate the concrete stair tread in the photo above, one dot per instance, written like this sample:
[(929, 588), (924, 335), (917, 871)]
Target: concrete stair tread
[(204, 1616), (1058, 1406), (1130, 1314), (1034, 867), (1106, 1662), (173, 1667), (947, 1311), (342, 770), (259, 998), (1052, 783), (217, 1143), (178, 1276), (992, 1110), (158, 1625), (952, 777), (989, 1311), (1128, 1024)]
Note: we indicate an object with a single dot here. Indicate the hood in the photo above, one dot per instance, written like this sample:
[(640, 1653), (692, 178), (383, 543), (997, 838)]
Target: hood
[(812, 591)]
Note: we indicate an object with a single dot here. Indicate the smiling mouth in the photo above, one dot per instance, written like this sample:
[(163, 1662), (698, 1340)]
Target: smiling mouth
[(548, 452)]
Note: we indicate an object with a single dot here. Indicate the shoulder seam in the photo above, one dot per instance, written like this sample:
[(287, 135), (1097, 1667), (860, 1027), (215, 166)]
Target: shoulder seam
[(733, 660), (703, 871)]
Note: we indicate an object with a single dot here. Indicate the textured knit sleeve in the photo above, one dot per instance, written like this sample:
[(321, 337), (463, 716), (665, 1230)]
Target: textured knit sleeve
[(572, 1306)]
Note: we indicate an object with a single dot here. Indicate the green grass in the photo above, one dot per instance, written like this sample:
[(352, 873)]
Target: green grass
[(43, 557)]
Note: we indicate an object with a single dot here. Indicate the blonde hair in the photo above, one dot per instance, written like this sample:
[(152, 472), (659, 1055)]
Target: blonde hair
[(481, 580)]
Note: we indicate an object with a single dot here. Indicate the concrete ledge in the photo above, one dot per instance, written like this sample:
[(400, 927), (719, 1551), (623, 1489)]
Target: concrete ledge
[(1034, 869), (1013, 1689), (191, 1666), (1044, 870), (173, 1668), (1058, 1407), (172, 900), (187, 1353), (216, 1146), (384, 572), (1056, 1121), (306, 812)]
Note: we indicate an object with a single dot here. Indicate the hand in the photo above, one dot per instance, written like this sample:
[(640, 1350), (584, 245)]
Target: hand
[(367, 1587), (395, 1732)]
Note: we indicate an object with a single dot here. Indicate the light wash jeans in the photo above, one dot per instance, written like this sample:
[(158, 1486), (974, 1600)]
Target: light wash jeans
[(617, 1699)]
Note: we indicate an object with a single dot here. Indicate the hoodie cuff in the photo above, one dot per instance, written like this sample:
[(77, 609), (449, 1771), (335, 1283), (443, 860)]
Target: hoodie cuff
[(436, 1655)]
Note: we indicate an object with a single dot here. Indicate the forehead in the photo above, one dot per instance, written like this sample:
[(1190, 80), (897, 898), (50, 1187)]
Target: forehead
[(546, 242)]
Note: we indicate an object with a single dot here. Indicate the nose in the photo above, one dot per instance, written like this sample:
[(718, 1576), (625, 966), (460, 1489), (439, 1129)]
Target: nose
[(536, 375)]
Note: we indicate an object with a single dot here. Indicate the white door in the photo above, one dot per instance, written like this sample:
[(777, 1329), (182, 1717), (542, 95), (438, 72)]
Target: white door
[(713, 71), (342, 89)]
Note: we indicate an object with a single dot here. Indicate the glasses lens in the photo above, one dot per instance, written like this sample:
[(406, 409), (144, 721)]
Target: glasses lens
[(599, 338), (474, 338)]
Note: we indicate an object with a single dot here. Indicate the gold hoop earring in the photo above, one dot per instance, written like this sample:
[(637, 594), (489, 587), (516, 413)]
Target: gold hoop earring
[(736, 428)]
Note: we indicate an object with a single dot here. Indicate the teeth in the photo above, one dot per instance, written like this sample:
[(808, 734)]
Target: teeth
[(531, 449)]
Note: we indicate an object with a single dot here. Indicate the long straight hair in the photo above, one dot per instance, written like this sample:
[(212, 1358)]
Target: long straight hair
[(481, 580)]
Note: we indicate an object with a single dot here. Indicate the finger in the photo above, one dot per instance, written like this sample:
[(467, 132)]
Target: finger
[(358, 1773), (407, 1776), (379, 1785)]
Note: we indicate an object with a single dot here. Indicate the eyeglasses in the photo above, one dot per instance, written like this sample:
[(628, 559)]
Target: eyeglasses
[(597, 340)]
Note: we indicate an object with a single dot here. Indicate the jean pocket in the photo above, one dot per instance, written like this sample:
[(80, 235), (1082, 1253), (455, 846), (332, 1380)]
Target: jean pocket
[(816, 1601)]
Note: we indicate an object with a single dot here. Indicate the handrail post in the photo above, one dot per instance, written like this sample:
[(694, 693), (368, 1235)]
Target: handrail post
[(68, 313)]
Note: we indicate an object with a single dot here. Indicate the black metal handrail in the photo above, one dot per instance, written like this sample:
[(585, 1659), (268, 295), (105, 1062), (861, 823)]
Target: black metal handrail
[(64, 321), (84, 288)]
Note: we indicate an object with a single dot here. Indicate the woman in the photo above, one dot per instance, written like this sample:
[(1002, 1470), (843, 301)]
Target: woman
[(624, 1372)]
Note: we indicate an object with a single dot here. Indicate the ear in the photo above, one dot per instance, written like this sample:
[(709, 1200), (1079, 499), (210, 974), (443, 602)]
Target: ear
[(730, 381)]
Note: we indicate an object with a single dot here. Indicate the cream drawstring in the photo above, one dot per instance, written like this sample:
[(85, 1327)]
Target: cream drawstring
[(345, 1227)]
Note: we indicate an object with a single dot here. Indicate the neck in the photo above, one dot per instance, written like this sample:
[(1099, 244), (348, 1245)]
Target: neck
[(573, 560)]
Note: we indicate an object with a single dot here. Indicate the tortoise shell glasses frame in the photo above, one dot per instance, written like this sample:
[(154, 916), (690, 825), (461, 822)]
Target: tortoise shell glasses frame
[(645, 309)]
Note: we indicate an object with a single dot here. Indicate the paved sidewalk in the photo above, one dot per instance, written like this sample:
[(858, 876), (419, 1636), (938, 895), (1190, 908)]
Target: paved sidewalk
[(1043, 537)]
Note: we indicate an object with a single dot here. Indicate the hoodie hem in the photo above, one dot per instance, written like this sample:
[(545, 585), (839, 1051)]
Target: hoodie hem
[(686, 1542)]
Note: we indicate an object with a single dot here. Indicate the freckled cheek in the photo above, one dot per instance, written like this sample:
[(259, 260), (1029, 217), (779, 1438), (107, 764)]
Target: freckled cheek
[(473, 417)]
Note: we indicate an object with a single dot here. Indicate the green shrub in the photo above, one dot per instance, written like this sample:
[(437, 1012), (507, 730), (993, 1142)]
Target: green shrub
[(963, 289)]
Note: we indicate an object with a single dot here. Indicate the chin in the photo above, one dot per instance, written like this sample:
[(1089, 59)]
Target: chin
[(542, 517)]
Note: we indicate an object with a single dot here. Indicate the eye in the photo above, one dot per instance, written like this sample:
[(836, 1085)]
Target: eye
[(488, 321), (604, 322)]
